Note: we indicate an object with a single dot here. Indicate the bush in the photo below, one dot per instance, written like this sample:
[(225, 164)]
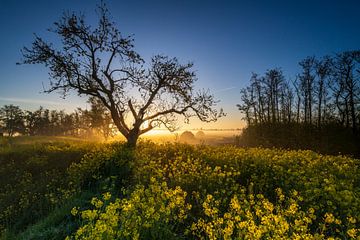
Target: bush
[(187, 137)]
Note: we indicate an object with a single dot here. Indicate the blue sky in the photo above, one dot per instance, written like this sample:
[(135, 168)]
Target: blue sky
[(226, 40)]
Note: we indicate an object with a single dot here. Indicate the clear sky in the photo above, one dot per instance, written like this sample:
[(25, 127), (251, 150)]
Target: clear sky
[(226, 40)]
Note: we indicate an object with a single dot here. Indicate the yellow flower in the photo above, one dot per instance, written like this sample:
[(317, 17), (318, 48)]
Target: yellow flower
[(329, 218), (293, 208), (106, 196), (337, 221), (351, 220), (235, 203), (74, 211), (352, 232), (311, 210), (96, 202)]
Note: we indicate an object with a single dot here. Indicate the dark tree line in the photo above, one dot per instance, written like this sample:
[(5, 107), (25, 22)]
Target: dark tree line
[(45, 122), (326, 91)]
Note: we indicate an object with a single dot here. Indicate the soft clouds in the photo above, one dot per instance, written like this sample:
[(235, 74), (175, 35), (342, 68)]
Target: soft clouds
[(31, 101)]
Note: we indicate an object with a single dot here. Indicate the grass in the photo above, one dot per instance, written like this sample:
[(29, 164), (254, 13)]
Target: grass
[(57, 224), (33, 177)]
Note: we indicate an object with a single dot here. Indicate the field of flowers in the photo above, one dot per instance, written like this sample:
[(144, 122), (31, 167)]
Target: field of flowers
[(175, 191)]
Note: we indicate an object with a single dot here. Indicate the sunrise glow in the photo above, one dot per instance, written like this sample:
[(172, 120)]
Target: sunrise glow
[(181, 120)]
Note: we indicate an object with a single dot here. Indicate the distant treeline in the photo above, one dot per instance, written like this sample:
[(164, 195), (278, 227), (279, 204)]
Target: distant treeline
[(326, 91), (323, 97), (45, 122)]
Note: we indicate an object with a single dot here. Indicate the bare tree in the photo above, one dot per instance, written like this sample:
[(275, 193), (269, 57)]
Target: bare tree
[(327, 90), (323, 72), (297, 89), (347, 88), (248, 104), (102, 63), (268, 99), (273, 80), (307, 81), (260, 100), (286, 102)]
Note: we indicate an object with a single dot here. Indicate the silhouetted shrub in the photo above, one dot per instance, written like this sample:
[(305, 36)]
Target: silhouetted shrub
[(200, 135), (187, 137)]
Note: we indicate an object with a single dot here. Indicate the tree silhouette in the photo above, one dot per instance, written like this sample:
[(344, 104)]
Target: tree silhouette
[(102, 63), (318, 110), (11, 118)]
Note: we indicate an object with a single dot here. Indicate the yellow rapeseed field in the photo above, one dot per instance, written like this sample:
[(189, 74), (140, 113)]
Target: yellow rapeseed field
[(202, 192)]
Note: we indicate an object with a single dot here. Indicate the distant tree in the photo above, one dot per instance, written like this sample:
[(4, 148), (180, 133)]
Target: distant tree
[(323, 71), (298, 98), (347, 86), (100, 118), (247, 99), (12, 119), (66, 123), (56, 126), (286, 102), (326, 92), (39, 122), (307, 86), (81, 122), (268, 99), (31, 120), (102, 63), (320, 110), (259, 98), (273, 81)]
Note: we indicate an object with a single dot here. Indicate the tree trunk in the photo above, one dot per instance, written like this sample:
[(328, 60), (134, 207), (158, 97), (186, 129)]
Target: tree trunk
[(298, 110), (310, 103), (347, 114), (320, 100), (132, 138), (352, 110), (305, 106)]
